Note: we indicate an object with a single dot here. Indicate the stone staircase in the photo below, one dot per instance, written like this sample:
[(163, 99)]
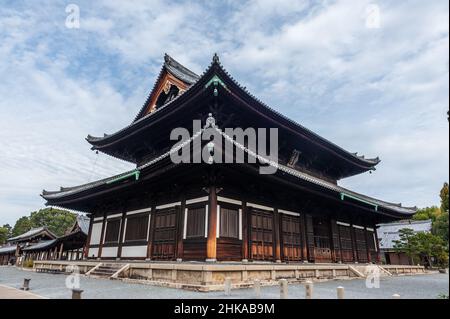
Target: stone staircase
[(366, 270), (105, 270)]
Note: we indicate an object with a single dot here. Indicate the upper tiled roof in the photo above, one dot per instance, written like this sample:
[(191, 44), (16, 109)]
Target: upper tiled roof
[(216, 66)]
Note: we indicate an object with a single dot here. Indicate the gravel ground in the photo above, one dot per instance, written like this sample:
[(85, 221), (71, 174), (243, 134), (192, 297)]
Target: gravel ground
[(427, 286)]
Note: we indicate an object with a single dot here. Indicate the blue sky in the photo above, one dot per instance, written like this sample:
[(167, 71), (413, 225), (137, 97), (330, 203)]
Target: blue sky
[(380, 91)]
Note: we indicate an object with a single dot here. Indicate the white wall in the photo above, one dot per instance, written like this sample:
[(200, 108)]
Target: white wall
[(134, 251), (96, 234), (93, 252), (109, 252)]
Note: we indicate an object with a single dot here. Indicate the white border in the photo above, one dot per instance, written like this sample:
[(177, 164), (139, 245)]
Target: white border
[(185, 222), (228, 200), (218, 222), (260, 206), (357, 226), (112, 216), (206, 221), (137, 211), (240, 224), (287, 212), (343, 224), (197, 200), (168, 205), (370, 229), (96, 219)]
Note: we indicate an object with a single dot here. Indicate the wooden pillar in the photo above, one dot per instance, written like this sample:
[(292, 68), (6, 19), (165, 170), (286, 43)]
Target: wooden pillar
[(245, 232), (309, 226), (276, 235), (55, 253), (180, 228), (61, 251), (102, 235), (366, 234), (335, 245), (377, 244), (88, 239), (122, 229), (354, 247), (151, 230), (211, 242), (303, 237)]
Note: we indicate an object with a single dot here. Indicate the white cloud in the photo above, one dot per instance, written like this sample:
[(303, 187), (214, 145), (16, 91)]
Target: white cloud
[(377, 91)]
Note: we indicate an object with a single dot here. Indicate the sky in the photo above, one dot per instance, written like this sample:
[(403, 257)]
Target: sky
[(371, 76)]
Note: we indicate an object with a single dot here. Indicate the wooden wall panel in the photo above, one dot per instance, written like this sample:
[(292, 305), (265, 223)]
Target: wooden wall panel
[(335, 241), (194, 249), (291, 238), (229, 249), (310, 237)]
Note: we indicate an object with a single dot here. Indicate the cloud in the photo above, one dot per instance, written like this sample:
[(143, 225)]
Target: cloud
[(381, 92)]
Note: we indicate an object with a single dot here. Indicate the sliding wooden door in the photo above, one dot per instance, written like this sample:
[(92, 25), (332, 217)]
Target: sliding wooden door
[(261, 237), (164, 235)]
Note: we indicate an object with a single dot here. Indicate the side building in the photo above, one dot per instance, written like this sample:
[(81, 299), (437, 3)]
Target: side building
[(390, 232)]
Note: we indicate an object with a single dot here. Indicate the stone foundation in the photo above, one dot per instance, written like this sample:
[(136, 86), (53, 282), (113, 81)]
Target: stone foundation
[(209, 277)]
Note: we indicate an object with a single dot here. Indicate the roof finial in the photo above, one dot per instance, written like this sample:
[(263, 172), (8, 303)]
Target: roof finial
[(215, 58), (166, 57), (210, 121)]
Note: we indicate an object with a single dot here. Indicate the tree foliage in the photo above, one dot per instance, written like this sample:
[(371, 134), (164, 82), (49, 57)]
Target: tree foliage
[(432, 213), (440, 227), (23, 224), (444, 198), (3, 235), (56, 220), (422, 244)]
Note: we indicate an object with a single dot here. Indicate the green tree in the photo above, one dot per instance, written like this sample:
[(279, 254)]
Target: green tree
[(444, 198), (23, 224), (431, 247), (432, 213), (422, 244), (57, 220), (440, 227), (4, 232), (405, 243)]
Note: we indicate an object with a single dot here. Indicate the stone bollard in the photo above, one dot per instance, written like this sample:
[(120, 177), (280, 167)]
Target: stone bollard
[(257, 286), (395, 296), (76, 293), (340, 292), (227, 286), (283, 289), (26, 284), (309, 289)]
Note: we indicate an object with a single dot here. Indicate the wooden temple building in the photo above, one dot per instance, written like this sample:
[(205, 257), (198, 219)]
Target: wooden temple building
[(163, 210), (12, 253), (41, 244)]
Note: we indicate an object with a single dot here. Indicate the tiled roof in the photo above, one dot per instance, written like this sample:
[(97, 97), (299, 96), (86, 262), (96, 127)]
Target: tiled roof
[(216, 63), (32, 233), (301, 175), (389, 232), (43, 244), (7, 249)]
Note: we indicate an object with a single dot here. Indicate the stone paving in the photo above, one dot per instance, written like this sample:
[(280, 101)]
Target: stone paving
[(428, 286)]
